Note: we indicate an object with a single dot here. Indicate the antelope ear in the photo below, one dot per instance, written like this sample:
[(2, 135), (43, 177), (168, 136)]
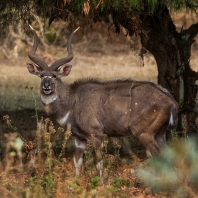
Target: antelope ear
[(64, 70), (33, 69)]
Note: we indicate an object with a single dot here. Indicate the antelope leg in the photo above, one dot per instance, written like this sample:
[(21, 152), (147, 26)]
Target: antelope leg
[(80, 146)]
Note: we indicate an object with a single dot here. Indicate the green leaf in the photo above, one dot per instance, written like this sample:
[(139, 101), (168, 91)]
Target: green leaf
[(18, 143)]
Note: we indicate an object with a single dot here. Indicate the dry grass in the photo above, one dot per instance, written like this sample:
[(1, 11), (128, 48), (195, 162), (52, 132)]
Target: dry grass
[(47, 175)]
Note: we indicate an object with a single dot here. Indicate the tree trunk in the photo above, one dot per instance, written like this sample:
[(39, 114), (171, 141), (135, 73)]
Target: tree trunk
[(171, 51)]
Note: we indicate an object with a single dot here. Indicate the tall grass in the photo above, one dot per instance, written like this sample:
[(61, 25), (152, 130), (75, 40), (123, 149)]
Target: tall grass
[(33, 169)]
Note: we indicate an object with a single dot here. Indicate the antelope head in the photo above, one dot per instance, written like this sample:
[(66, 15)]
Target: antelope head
[(49, 75)]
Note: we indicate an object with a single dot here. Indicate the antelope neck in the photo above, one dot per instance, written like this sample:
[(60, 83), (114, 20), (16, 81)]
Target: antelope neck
[(48, 99)]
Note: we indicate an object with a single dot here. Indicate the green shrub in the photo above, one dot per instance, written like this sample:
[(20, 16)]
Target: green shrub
[(175, 171)]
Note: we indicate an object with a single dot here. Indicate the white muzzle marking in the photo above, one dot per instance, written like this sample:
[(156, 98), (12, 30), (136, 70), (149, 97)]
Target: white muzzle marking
[(47, 91)]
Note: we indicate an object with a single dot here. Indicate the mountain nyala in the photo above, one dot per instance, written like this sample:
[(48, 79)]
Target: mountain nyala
[(95, 107)]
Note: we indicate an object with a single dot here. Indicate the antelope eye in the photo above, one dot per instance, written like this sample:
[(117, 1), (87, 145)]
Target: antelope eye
[(42, 75), (53, 76)]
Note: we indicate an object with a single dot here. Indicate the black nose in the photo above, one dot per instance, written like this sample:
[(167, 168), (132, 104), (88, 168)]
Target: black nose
[(46, 85)]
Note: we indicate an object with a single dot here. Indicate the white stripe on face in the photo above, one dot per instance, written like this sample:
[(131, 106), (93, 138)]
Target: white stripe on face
[(49, 77)]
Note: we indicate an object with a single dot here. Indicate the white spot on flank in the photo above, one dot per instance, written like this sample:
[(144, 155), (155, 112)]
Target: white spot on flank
[(63, 120), (48, 99), (80, 144), (136, 103), (154, 110), (171, 121), (164, 90)]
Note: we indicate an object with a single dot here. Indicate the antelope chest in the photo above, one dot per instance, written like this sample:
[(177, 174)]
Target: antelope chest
[(48, 102), (48, 99), (47, 108)]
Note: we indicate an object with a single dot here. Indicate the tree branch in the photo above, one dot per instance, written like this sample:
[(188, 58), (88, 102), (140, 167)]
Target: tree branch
[(192, 31)]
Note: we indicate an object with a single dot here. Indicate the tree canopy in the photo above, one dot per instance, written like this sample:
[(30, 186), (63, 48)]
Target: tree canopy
[(12, 12)]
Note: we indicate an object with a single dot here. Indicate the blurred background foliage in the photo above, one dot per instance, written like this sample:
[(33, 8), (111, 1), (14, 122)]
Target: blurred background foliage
[(175, 172)]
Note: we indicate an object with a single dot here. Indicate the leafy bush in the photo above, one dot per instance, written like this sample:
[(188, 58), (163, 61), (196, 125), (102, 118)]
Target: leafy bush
[(175, 171), (95, 181)]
